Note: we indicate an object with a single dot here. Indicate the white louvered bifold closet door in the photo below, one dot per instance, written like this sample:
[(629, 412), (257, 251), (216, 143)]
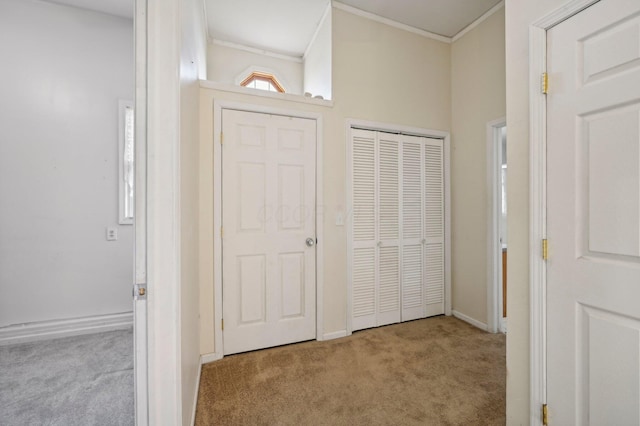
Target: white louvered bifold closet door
[(434, 226), (413, 194), (363, 234), (396, 261), (388, 215)]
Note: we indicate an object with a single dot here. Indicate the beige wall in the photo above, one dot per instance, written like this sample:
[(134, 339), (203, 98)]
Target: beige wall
[(380, 73), (519, 15), (225, 63), (192, 69), (478, 96)]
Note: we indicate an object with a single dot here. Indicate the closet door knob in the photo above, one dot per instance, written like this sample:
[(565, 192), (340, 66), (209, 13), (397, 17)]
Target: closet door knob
[(310, 242)]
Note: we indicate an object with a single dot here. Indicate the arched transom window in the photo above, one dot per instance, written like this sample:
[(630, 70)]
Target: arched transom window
[(262, 81)]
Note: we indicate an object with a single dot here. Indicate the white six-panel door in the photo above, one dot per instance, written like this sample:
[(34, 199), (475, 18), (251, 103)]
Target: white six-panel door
[(268, 221), (396, 264), (593, 217)]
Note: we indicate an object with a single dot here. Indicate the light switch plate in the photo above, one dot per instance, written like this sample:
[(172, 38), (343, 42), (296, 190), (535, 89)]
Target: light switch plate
[(112, 233)]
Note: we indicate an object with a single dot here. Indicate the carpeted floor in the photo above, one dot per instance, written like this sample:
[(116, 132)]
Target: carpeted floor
[(436, 371), (82, 380)]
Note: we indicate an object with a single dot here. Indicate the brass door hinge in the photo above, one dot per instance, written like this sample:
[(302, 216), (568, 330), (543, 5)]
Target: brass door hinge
[(223, 324), (221, 138), (221, 232), (545, 415), (545, 249), (544, 83)]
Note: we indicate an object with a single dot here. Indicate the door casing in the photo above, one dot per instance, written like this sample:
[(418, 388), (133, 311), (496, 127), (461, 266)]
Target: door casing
[(494, 259), (218, 107)]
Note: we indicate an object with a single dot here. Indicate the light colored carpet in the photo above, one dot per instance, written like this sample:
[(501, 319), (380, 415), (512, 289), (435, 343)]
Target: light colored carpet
[(436, 371), (82, 380)]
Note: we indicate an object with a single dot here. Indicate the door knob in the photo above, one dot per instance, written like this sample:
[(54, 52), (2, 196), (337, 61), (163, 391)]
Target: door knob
[(310, 242)]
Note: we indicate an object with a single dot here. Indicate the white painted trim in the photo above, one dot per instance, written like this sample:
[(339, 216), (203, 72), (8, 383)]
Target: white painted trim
[(207, 358), (468, 319), (407, 130), (538, 200), (494, 261), (224, 87), (447, 224), (390, 22), (217, 225), (163, 20), (537, 224), (218, 106), (35, 331), (478, 21), (348, 222), (326, 13), (140, 309), (335, 335), (255, 50), (195, 399)]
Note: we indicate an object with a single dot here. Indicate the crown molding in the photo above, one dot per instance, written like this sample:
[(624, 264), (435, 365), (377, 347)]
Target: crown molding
[(255, 50), (390, 22)]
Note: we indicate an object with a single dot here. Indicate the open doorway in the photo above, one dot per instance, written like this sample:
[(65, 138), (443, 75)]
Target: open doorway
[(497, 251), (67, 228)]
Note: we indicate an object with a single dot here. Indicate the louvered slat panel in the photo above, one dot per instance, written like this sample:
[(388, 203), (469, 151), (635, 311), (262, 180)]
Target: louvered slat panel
[(389, 191), (363, 282), (363, 189), (388, 311), (434, 190), (389, 289), (411, 190), (434, 273), (412, 277)]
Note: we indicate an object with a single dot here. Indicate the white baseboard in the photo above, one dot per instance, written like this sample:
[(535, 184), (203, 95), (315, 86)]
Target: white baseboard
[(207, 358), (195, 397), (503, 325), (31, 332), (473, 322), (334, 335)]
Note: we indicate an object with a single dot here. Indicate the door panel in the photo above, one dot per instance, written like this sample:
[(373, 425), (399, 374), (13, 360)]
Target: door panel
[(434, 225), (413, 284), (388, 229), (593, 216), (268, 212), (365, 255)]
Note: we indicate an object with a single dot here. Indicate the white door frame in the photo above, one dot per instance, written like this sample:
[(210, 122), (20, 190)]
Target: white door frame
[(140, 333), (218, 107), (538, 200), (141, 385), (414, 131), (494, 208)]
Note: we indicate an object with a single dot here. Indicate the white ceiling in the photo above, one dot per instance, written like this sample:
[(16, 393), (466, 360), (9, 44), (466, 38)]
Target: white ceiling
[(287, 26), (281, 26), (121, 8), (443, 17)]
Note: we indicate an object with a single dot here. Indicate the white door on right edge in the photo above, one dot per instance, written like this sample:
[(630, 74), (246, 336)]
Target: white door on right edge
[(593, 217)]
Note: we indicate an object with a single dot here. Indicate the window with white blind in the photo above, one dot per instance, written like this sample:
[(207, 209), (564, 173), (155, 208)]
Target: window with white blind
[(397, 228), (126, 159)]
